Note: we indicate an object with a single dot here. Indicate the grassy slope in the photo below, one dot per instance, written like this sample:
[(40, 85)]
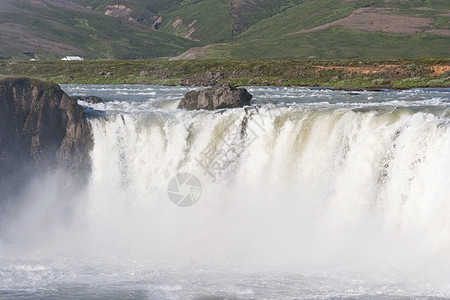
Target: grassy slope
[(271, 38), (138, 6), (213, 20), (252, 14), (305, 15), (335, 43), (95, 35)]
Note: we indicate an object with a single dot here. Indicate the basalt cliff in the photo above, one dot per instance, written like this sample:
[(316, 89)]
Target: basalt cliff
[(42, 131)]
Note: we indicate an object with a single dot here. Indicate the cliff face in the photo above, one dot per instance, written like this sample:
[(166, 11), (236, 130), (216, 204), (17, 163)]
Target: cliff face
[(41, 130)]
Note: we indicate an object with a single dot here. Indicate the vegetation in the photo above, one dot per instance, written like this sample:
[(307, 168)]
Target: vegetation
[(334, 43), (209, 19), (232, 29), (275, 37), (52, 32), (339, 73)]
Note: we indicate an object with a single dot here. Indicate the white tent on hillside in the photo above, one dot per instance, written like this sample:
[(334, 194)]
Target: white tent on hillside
[(72, 58)]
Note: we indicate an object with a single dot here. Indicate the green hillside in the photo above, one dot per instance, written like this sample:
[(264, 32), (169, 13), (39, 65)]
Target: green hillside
[(206, 21), (225, 29), (145, 12), (313, 13), (51, 31), (212, 21), (336, 43), (281, 36)]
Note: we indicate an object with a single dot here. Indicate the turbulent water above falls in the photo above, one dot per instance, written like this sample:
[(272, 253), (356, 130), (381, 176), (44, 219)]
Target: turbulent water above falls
[(344, 185)]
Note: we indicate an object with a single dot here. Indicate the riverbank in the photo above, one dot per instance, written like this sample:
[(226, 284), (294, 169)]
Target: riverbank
[(374, 74)]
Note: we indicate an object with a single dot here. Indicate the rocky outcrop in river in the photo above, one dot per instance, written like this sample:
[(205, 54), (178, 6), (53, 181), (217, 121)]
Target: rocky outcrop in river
[(216, 97), (41, 130)]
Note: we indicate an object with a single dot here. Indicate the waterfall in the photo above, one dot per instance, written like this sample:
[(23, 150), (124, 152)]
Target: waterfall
[(316, 190), (279, 184)]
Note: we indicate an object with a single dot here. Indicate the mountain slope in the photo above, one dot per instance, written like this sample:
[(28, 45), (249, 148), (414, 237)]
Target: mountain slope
[(226, 29), (142, 11), (55, 28), (313, 13), (216, 21), (204, 21), (330, 29)]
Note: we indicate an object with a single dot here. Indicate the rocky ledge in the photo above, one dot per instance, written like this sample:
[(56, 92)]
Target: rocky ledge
[(217, 97), (88, 99), (41, 130)]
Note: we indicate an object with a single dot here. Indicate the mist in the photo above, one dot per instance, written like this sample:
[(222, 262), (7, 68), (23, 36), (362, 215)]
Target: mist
[(302, 190)]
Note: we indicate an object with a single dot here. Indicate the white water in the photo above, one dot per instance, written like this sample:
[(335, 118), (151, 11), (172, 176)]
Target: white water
[(322, 194)]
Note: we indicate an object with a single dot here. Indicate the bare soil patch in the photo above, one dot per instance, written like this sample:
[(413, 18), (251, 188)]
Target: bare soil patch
[(440, 69), (369, 21), (118, 11), (177, 22)]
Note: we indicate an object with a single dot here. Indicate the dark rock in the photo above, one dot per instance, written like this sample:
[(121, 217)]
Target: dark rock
[(93, 99), (104, 73), (144, 73), (88, 99), (216, 97), (41, 130)]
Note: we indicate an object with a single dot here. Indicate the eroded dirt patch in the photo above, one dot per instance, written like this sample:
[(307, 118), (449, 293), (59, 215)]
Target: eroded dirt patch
[(189, 29), (119, 11), (375, 21), (177, 22), (440, 69)]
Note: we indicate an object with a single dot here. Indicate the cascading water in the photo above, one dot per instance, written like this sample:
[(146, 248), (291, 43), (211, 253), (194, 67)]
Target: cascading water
[(308, 193)]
